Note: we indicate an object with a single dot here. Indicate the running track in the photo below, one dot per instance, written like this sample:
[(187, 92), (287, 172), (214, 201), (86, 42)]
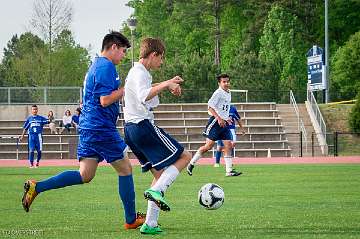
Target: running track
[(207, 161)]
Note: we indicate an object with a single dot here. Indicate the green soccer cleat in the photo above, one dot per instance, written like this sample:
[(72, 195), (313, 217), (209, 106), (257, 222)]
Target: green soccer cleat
[(157, 198), (146, 229)]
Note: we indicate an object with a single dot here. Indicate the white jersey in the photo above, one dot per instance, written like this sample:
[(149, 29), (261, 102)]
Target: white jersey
[(138, 84), (220, 101)]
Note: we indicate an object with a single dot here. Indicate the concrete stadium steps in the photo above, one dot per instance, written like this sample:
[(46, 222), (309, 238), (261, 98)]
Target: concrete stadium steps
[(185, 122), (290, 122)]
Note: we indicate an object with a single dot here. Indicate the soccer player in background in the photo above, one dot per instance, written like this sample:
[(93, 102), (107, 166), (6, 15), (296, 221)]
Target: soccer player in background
[(156, 151), (216, 128), (34, 124), (235, 117), (99, 138)]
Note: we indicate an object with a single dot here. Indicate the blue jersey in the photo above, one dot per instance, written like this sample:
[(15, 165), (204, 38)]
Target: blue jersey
[(34, 124), (75, 118), (101, 80), (234, 116)]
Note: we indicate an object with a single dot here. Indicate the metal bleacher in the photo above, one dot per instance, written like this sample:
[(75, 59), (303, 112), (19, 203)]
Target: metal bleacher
[(264, 132)]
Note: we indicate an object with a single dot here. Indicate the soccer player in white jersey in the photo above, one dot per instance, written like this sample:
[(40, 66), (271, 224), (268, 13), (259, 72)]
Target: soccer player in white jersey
[(216, 129), (155, 149)]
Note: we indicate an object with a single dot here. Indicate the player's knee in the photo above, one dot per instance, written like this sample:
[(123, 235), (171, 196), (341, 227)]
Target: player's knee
[(86, 177), (186, 155)]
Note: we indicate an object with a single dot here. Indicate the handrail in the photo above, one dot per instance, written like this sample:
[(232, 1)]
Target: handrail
[(301, 126), (319, 120)]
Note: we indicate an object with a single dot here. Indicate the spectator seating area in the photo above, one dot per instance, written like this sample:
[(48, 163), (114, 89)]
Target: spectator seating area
[(264, 132)]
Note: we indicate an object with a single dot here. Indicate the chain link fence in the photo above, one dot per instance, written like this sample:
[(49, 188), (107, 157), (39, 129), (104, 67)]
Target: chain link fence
[(40, 95)]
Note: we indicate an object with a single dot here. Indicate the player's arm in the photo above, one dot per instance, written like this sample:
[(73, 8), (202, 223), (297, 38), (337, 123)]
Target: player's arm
[(25, 127), (22, 135), (217, 117), (115, 96), (173, 85), (242, 130)]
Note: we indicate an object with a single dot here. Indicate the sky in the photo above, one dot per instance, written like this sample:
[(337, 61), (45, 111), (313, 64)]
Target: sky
[(92, 19)]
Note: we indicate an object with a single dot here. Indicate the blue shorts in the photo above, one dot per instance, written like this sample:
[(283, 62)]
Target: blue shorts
[(101, 145), (151, 145), (35, 142), (233, 138), (214, 131)]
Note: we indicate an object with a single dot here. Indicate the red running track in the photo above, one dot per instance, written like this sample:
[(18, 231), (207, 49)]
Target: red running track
[(206, 161)]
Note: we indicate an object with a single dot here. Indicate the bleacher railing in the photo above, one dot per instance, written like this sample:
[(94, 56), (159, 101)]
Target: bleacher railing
[(40, 95), (301, 126), (319, 121)]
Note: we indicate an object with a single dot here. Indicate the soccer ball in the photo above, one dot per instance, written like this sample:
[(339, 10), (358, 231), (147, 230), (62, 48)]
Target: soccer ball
[(211, 196)]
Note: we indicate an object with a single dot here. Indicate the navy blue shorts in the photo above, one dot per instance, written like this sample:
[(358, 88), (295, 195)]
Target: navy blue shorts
[(107, 146), (214, 131), (151, 145), (35, 142)]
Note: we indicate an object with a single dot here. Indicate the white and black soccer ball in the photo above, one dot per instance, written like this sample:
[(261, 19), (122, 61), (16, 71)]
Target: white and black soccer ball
[(211, 196)]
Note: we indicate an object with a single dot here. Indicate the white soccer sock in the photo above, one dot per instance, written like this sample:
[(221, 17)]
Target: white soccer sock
[(195, 158), (152, 214), (166, 179), (228, 163)]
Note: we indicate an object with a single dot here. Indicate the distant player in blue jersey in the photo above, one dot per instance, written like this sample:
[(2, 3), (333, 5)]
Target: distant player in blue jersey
[(235, 117), (34, 125), (99, 138), (216, 128), (156, 151)]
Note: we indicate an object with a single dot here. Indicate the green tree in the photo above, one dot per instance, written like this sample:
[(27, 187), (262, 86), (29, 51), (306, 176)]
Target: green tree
[(282, 48), (354, 120), (70, 61), (24, 61), (345, 77)]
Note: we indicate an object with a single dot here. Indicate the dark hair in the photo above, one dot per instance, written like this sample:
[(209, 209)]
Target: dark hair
[(224, 75), (150, 45), (114, 38), (34, 106), (78, 110)]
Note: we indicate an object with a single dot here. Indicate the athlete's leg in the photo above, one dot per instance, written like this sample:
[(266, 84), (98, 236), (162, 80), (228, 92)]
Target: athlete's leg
[(203, 149), (67, 178), (126, 187), (85, 174), (228, 159)]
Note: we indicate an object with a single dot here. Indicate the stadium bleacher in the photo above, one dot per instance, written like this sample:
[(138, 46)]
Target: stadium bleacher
[(262, 123)]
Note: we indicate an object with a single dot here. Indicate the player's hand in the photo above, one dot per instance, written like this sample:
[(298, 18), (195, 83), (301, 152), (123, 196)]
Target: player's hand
[(177, 80), (221, 122), (242, 132), (176, 91), (121, 91), (20, 138), (229, 121), (174, 85)]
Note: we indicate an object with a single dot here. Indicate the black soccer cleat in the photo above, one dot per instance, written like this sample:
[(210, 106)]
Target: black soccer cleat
[(189, 169), (233, 173)]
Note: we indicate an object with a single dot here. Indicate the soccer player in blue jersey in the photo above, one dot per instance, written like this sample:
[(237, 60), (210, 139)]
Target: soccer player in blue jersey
[(235, 117), (216, 129), (156, 151), (34, 125), (99, 138)]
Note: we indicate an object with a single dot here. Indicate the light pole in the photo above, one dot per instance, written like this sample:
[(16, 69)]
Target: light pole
[(131, 22), (327, 54)]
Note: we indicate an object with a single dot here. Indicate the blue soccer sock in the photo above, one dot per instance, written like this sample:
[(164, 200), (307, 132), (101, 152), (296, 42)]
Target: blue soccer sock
[(61, 180), (31, 158), (217, 156), (127, 196), (38, 156)]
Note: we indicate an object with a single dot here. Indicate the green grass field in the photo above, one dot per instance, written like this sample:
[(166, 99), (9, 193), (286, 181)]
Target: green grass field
[(268, 201)]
